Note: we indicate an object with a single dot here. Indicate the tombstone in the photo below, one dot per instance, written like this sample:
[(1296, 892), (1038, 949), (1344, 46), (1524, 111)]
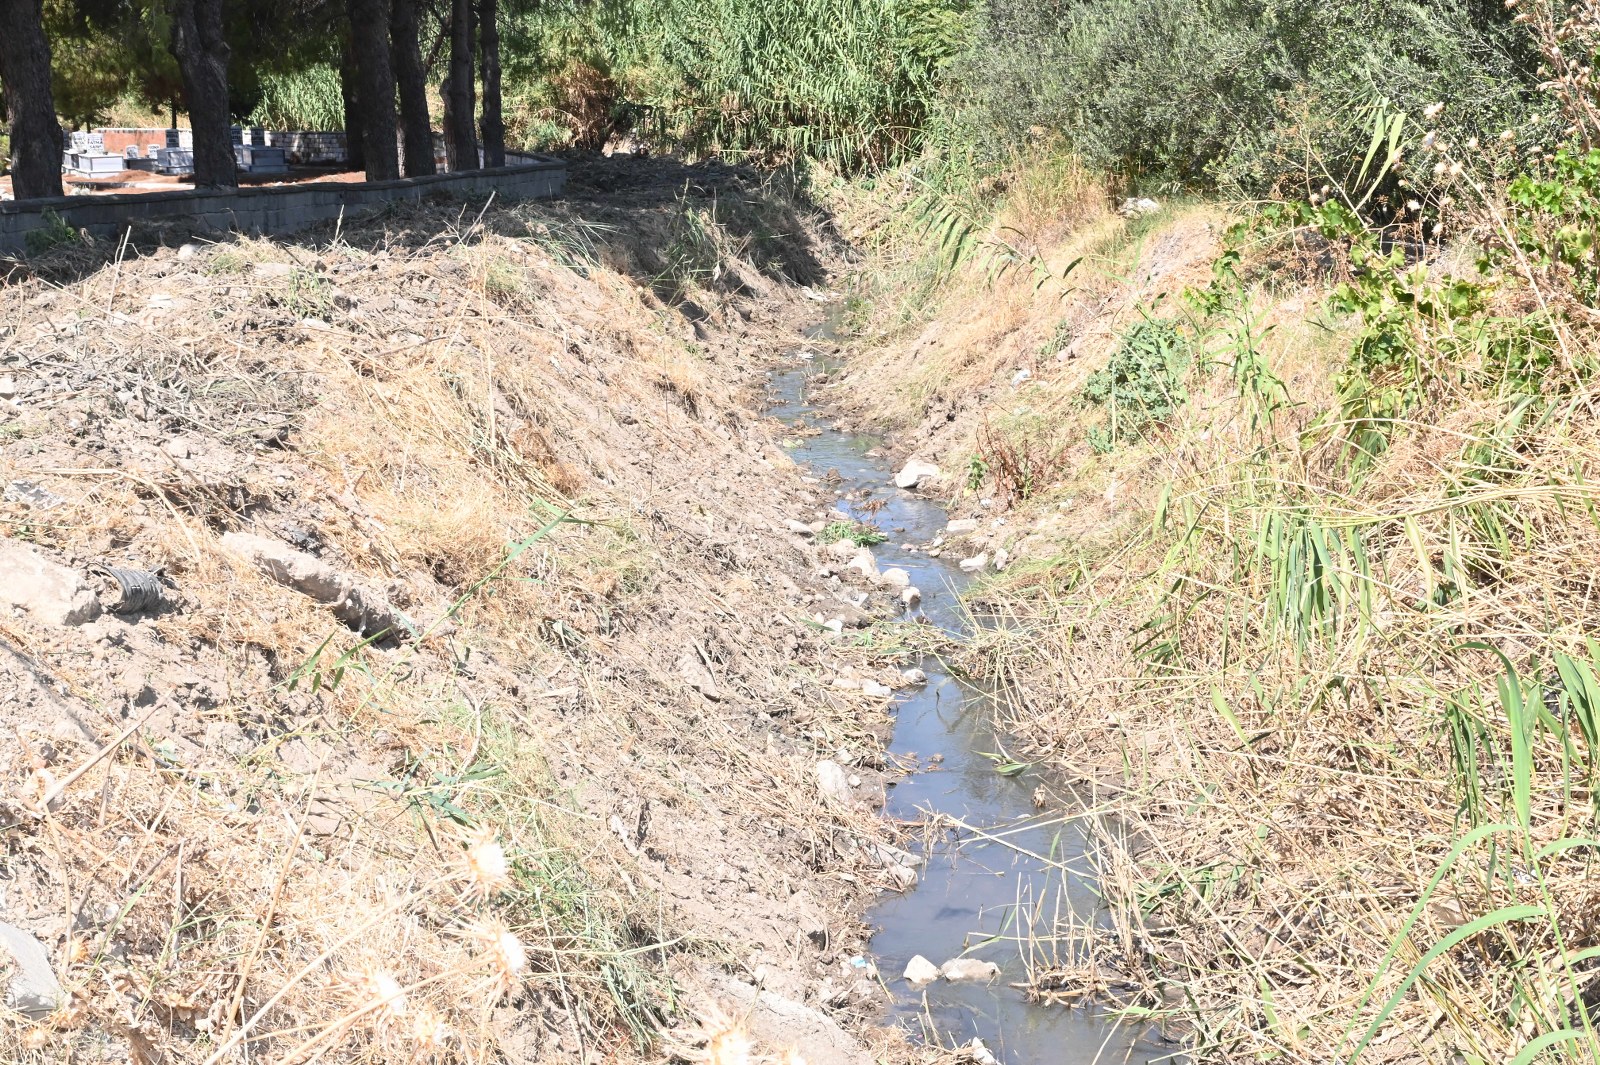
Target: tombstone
[(80, 141), (131, 152), (173, 139), (152, 149), (97, 143), (237, 133)]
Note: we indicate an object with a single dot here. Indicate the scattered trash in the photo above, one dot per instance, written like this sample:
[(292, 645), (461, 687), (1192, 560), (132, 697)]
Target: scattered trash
[(31, 494), (128, 591)]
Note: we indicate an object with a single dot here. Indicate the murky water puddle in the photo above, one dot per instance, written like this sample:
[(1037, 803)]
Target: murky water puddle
[(1013, 867)]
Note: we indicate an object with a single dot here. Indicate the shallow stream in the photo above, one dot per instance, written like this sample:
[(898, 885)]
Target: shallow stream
[(1013, 867)]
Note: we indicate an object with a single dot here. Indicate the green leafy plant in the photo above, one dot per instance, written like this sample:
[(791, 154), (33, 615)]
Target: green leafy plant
[(977, 470), (857, 533), (54, 233), (1143, 383)]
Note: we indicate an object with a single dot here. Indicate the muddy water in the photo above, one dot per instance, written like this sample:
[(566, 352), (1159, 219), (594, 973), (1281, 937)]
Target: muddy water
[(1014, 867)]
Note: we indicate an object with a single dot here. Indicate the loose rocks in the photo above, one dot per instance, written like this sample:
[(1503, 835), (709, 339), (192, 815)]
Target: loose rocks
[(833, 782), (975, 564), (913, 473), (895, 577), (48, 592), (34, 989), (361, 609), (968, 970), (919, 971)]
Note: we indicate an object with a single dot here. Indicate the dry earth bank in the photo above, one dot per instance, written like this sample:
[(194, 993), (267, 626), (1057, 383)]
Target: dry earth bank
[(572, 813)]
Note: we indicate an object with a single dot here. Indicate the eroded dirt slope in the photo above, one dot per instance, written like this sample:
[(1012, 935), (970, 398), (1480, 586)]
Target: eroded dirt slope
[(575, 807)]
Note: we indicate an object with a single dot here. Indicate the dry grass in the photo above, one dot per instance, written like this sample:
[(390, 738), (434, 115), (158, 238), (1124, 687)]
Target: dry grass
[(1284, 681), (501, 841)]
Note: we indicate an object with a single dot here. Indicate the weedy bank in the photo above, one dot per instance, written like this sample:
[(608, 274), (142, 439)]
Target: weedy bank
[(1298, 522)]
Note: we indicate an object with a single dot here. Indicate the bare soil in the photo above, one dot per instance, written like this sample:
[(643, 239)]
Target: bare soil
[(238, 827)]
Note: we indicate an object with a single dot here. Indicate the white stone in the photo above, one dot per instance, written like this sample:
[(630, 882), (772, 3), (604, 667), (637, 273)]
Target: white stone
[(902, 876), (799, 528), (875, 690), (919, 971), (1001, 558), (34, 989), (49, 593), (961, 527), (834, 625), (979, 1054), (8, 387), (895, 577), (832, 781), (975, 564), (960, 970), (911, 596), (864, 563), (1020, 376), (913, 473), (914, 676)]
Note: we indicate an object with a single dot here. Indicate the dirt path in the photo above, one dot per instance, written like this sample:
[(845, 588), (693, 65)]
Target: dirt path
[(575, 813)]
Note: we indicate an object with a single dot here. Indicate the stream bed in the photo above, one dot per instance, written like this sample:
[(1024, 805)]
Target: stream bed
[(1013, 866)]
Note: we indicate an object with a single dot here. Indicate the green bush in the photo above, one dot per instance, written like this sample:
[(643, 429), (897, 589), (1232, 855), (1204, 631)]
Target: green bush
[(308, 99), (1258, 97), (848, 81), (1143, 383)]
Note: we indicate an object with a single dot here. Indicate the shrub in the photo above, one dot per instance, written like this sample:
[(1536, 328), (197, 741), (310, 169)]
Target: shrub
[(1143, 383), (1257, 96)]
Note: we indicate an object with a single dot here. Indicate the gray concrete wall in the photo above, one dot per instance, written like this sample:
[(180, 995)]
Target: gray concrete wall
[(268, 209)]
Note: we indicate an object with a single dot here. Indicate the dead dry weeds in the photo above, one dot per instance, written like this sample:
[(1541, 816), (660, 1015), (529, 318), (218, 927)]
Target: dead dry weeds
[(587, 780)]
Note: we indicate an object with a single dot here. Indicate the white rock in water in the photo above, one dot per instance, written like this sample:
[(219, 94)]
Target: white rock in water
[(895, 577), (832, 781), (975, 564), (914, 676), (903, 877), (913, 473), (980, 1054), (911, 596), (961, 526), (875, 690), (919, 971), (959, 970)]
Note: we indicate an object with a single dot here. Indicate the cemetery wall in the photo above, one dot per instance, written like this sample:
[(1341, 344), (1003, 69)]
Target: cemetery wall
[(267, 209)]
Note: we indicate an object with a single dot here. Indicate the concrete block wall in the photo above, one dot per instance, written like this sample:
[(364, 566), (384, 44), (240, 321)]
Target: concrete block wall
[(272, 210)]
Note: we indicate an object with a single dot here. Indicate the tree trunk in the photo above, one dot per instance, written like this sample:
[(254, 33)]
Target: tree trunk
[(201, 49), (30, 107), (413, 83), (494, 125), (355, 153), (369, 43), (459, 98)]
